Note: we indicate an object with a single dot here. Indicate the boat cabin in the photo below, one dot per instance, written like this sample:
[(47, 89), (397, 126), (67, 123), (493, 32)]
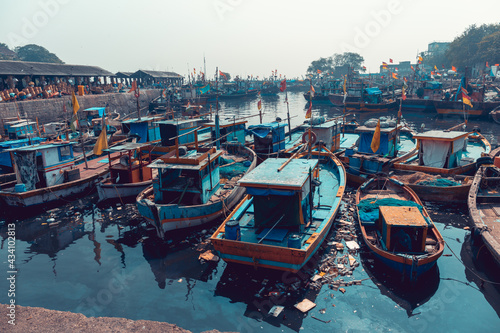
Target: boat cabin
[(404, 229), (133, 158), (281, 199), (146, 128), (372, 95), (442, 149), (182, 132), (387, 140), (268, 138), (19, 129), (190, 179), (45, 165), (329, 133), (229, 130), (5, 160)]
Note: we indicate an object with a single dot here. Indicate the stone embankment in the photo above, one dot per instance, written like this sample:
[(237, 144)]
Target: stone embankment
[(52, 109)]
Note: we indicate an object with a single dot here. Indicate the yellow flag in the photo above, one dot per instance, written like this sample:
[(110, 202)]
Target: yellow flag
[(466, 100), (76, 107), (102, 140), (376, 138), (345, 80)]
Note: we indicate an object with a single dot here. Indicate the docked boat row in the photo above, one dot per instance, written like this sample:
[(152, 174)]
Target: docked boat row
[(277, 191)]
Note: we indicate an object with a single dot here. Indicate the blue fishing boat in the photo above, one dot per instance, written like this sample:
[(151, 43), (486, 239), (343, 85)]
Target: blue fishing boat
[(48, 172), (16, 129), (397, 228), (288, 211), (195, 186), (5, 161)]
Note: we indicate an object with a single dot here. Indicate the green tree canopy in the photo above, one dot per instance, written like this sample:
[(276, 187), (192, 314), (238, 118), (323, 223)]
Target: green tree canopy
[(337, 61), (489, 48), (32, 52), (466, 49)]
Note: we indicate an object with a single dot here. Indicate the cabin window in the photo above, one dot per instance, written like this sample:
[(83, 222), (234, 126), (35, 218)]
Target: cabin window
[(64, 153)]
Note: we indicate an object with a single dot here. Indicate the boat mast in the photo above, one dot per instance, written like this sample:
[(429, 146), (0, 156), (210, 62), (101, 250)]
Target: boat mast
[(217, 143)]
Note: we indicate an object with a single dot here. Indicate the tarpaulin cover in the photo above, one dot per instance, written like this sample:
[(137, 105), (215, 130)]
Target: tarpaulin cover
[(140, 129), (365, 142), (373, 91), (260, 132), (100, 110), (26, 172), (368, 208), (434, 152)]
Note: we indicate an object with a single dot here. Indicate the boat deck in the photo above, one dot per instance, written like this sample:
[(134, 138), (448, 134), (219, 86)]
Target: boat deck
[(279, 236), (96, 165)]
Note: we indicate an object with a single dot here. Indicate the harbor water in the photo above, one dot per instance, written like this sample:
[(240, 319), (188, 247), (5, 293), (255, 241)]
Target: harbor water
[(103, 260)]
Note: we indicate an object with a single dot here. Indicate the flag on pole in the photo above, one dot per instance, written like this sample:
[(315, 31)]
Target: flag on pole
[(384, 65), (76, 107), (487, 65), (312, 91), (420, 59), (376, 138), (403, 93), (309, 110), (413, 69), (345, 81), (222, 74), (283, 85), (102, 140), (465, 97), (318, 71), (394, 76), (259, 104), (453, 68), (435, 68), (134, 86), (390, 60)]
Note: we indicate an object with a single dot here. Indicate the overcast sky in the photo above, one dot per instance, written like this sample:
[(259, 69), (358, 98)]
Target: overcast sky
[(242, 37)]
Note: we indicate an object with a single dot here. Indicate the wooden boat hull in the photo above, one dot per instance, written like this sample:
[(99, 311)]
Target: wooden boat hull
[(53, 193), (410, 266), (418, 105), (271, 256), (108, 191), (172, 217), (479, 109), (338, 99), (484, 207), (366, 107), (441, 193)]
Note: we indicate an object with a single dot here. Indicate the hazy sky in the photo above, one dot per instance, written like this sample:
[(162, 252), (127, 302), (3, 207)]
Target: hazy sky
[(240, 36)]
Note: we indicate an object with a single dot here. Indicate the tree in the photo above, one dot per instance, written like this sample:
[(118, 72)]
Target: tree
[(489, 48), (321, 65), (353, 60), (6, 53), (336, 62), (32, 52), (465, 49)]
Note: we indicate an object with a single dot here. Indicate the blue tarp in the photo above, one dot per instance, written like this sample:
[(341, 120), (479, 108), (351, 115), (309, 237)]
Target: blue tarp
[(140, 129), (261, 132), (373, 91), (365, 141), (433, 85)]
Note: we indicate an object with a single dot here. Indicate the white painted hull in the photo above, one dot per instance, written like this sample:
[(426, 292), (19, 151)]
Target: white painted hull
[(117, 191)]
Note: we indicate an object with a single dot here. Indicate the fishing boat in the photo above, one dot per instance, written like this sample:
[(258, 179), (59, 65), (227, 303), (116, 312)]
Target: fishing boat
[(287, 212), (397, 143), (128, 177), (48, 172), (5, 146), (371, 100), (16, 128), (484, 207), (495, 114), (396, 227), (479, 108), (447, 152), (195, 186)]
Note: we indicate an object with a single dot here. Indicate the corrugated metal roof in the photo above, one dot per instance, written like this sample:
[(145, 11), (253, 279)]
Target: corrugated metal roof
[(8, 67), (155, 74)]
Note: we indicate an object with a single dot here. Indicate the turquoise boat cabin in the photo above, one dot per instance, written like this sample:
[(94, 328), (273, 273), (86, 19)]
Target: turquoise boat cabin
[(145, 129), (189, 179), (5, 160), (183, 132), (230, 130), (93, 120), (40, 166), (372, 95), (268, 138), (281, 200), (441, 149), (19, 129)]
